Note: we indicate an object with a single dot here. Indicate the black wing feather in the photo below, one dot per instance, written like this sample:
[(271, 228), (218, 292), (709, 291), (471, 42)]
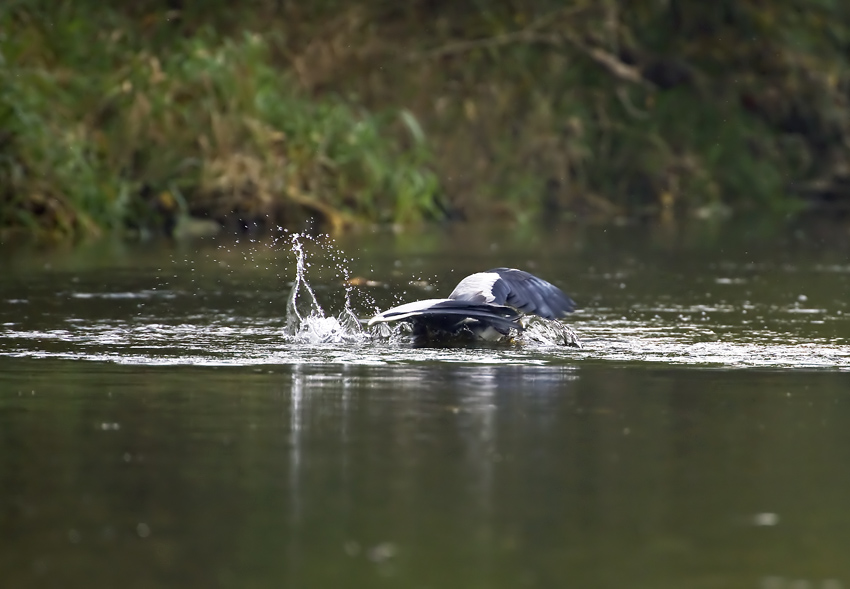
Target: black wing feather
[(530, 294), (450, 314)]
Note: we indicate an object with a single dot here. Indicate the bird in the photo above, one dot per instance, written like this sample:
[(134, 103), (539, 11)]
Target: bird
[(488, 305)]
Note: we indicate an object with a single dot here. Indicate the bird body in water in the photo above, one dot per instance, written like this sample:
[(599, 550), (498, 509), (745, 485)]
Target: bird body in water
[(488, 305)]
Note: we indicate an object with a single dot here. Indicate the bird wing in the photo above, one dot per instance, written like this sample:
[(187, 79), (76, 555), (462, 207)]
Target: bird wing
[(450, 309), (515, 288), (405, 311)]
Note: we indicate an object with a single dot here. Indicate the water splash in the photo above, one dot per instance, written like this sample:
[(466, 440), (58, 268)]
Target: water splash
[(547, 332), (302, 294), (536, 332), (306, 321)]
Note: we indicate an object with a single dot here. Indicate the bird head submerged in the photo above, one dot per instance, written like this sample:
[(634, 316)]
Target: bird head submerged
[(487, 304)]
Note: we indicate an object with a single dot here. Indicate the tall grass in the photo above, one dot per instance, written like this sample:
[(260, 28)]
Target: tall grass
[(103, 132)]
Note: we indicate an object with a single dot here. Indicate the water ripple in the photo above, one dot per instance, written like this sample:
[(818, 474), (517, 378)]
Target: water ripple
[(234, 340)]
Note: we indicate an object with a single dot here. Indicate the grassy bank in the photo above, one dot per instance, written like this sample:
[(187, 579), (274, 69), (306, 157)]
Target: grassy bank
[(103, 132), (139, 117)]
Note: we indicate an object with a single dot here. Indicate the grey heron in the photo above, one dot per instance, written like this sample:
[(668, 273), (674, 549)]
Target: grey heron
[(487, 305)]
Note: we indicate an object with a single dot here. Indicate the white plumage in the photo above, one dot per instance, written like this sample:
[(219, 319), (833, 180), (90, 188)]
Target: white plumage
[(475, 285)]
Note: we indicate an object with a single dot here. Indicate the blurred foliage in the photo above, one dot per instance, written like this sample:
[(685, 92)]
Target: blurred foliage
[(104, 129), (277, 111), (640, 107)]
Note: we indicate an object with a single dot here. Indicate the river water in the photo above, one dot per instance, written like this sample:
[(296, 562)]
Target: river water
[(165, 422)]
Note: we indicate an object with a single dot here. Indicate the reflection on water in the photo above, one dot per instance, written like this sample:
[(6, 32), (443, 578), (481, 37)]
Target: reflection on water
[(162, 425), (428, 475)]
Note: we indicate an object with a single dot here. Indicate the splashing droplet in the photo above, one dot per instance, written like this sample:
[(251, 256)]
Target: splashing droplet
[(306, 321), (309, 306)]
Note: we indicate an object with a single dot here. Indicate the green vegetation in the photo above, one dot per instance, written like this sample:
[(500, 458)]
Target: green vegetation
[(642, 107), (279, 112), (100, 133)]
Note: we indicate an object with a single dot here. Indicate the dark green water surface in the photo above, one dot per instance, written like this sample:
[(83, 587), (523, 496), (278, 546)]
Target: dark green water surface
[(161, 427)]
